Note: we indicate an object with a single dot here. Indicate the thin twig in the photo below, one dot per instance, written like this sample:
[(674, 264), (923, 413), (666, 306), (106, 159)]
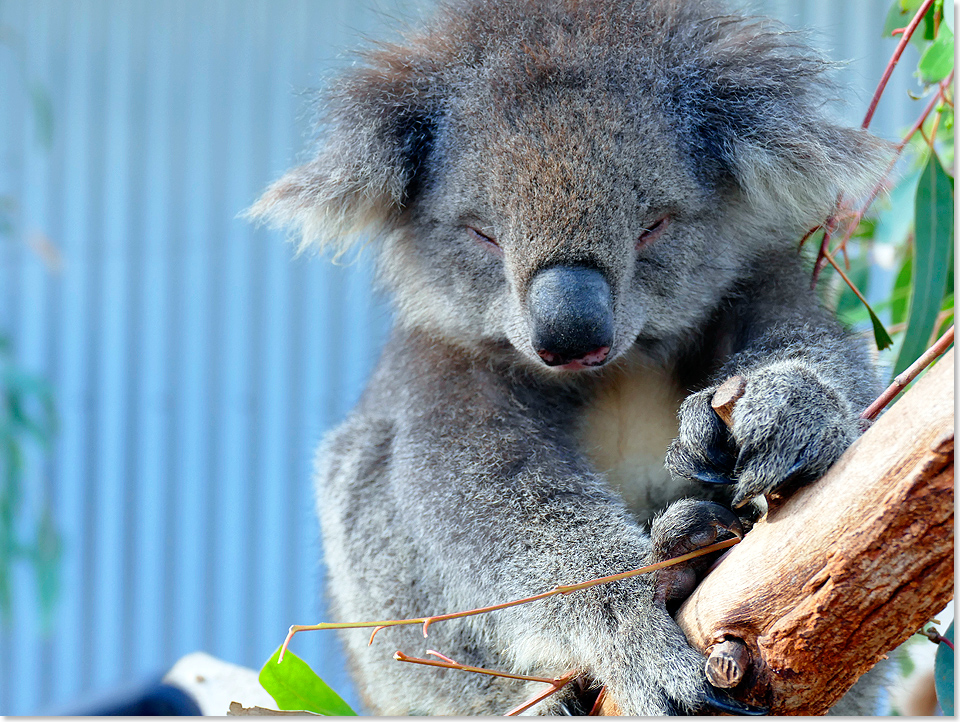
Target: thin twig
[(902, 326), (901, 381), (901, 46), (555, 687), (561, 589), (844, 276), (556, 684), (828, 230), (401, 657), (598, 703)]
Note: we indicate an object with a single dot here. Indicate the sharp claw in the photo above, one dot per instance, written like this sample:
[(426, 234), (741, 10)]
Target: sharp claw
[(722, 702), (797, 471), (730, 523), (739, 501), (718, 457), (709, 477)]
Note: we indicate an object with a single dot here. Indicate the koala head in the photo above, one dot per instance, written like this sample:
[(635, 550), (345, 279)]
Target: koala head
[(558, 179)]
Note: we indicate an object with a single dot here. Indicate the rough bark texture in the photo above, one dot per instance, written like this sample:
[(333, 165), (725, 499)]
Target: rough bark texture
[(846, 569)]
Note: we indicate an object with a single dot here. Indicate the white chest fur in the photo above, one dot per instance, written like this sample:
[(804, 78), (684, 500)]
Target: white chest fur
[(626, 430)]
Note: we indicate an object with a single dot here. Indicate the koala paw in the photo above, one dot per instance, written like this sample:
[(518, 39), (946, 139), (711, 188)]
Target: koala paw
[(787, 430), (685, 526)]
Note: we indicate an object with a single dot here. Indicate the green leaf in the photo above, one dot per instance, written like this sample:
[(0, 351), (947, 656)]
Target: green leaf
[(880, 334), (937, 60), (901, 292), (47, 555), (295, 686), (933, 243), (895, 215), (900, 15), (943, 674)]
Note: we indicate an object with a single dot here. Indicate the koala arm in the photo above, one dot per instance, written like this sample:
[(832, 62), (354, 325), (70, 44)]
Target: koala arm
[(500, 507), (807, 382)]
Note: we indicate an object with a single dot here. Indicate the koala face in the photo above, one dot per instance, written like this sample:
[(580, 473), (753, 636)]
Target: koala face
[(565, 226), (543, 184)]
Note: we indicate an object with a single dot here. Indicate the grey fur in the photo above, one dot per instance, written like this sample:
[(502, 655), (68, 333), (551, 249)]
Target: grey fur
[(470, 472)]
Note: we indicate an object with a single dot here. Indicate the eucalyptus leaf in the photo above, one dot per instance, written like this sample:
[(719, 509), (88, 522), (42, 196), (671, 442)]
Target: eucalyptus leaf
[(880, 335), (899, 14), (47, 555), (901, 292), (294, 686), (943, 674), (937, 60), (933, 243)]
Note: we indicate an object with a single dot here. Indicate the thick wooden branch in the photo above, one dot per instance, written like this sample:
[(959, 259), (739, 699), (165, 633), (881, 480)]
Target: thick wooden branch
[(828, 583)]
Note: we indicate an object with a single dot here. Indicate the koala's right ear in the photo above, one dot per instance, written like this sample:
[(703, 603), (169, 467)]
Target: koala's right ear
[(379, 132)]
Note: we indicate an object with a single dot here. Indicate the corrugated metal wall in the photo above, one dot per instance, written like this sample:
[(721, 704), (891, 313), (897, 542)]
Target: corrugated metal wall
[(195, 362)]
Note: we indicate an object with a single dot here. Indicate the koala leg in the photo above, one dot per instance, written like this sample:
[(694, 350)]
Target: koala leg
[(685, 526)]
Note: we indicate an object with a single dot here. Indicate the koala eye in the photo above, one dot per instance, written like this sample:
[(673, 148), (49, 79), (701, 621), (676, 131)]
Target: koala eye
[(649, 235), (484, 239)]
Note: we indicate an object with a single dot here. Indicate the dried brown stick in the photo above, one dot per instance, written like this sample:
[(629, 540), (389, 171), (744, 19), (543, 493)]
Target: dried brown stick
[(727, 396)]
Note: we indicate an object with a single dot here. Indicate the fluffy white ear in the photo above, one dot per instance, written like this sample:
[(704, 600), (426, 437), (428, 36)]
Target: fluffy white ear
[(749, 107), (378, 135)]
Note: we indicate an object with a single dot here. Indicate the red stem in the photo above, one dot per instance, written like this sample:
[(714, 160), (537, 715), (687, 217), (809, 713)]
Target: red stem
[(942, 344), (901, 46), (858, 216)]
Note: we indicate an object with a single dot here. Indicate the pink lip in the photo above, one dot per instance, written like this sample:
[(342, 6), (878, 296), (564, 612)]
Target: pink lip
[(591, 360), (574, 366)]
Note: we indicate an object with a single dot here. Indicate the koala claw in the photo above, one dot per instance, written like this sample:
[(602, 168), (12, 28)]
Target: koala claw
[(797, 475), (722, 702), (708, 477), (688, 525)]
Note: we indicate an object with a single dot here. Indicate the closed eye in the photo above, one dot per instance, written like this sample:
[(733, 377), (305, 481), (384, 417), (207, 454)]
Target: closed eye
[(653, 232), (484, 239)]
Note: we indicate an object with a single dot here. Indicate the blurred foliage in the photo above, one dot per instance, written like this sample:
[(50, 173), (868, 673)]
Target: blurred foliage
[(943, 673), (27, 418), (900, 256)]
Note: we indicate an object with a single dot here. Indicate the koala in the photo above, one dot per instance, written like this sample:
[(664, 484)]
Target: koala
[(586, 214)]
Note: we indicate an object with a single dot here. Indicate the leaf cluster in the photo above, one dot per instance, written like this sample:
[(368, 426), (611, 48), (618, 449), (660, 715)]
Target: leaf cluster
[(901, 253), (27, 417)]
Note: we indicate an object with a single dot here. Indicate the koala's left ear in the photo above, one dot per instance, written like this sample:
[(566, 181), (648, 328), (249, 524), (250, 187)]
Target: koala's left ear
[(750, 104), (379, 133)]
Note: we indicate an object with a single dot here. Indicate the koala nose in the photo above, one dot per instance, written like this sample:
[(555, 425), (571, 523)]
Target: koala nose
[(571, 311)]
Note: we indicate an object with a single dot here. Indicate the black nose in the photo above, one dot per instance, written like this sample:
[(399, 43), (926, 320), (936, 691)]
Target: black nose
[(571, 313)]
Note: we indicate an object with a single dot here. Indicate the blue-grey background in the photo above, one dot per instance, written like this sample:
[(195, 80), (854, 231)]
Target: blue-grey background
[(195, 361)]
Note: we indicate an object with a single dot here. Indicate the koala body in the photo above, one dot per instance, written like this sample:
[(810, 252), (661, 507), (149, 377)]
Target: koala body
[(587, 215)]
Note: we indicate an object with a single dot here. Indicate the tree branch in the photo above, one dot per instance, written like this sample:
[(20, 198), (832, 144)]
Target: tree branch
[(844, 571)]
